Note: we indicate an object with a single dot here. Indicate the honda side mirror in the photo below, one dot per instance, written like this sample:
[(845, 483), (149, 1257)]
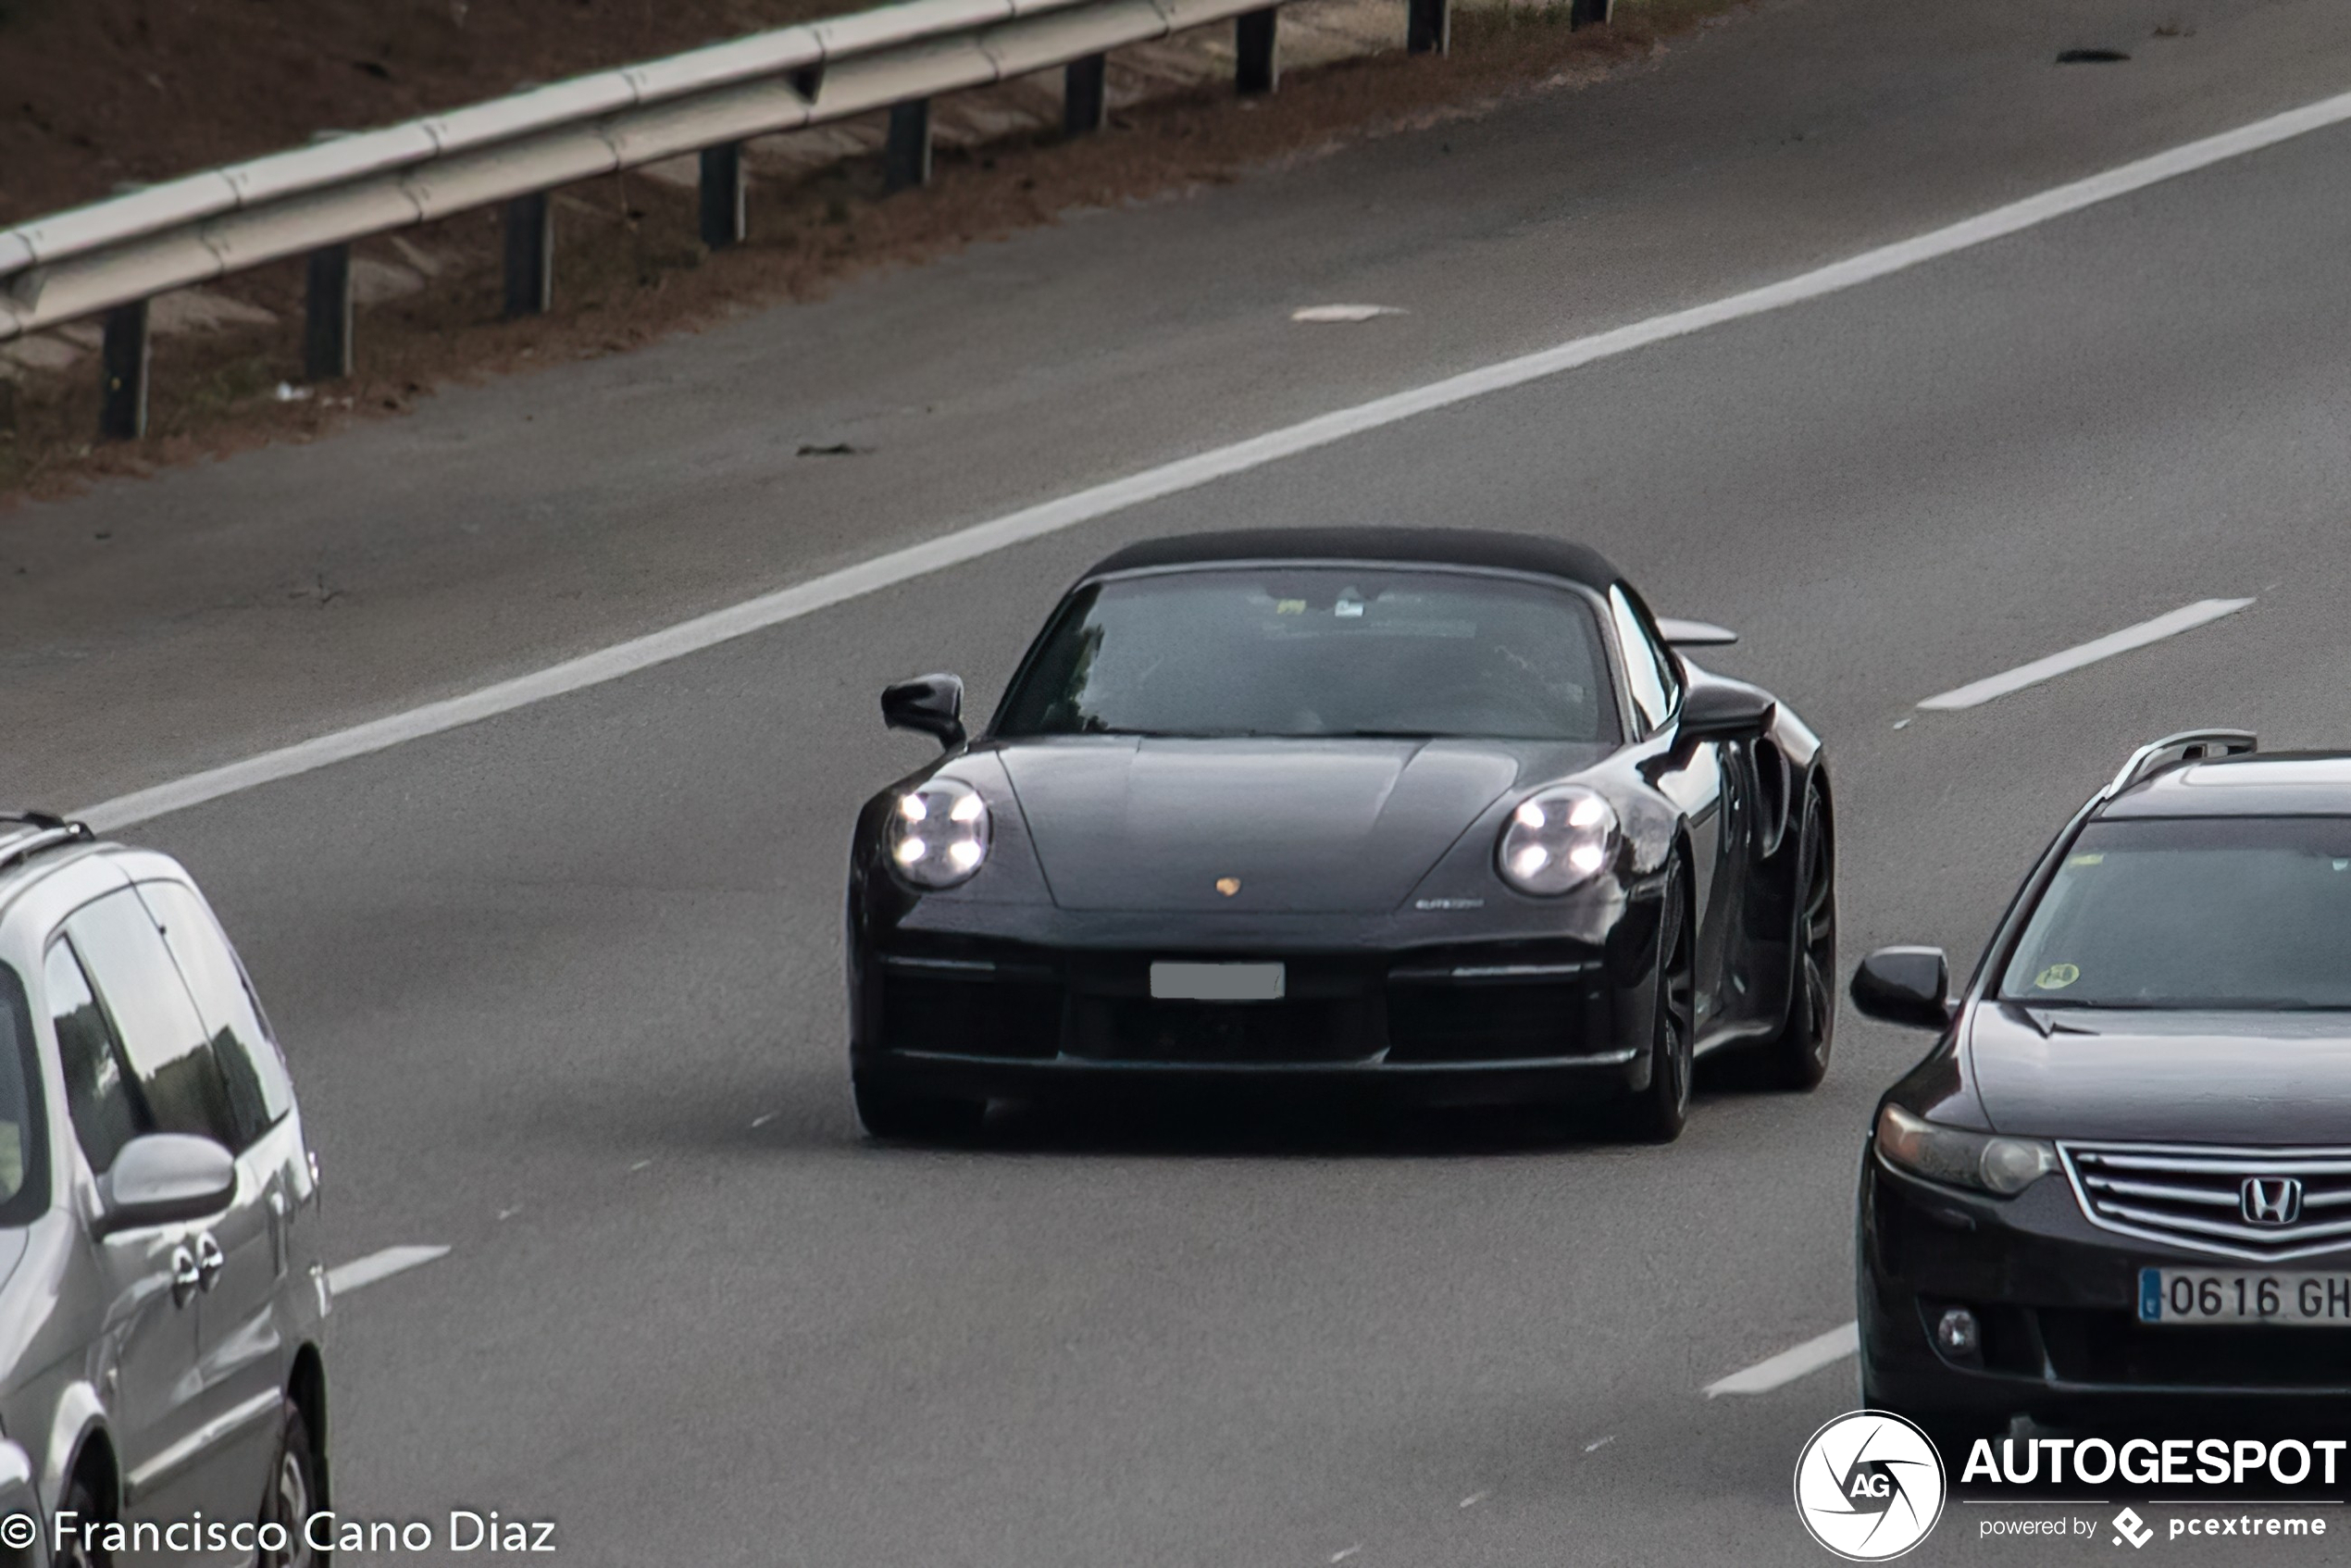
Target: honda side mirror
[(1910, 986)]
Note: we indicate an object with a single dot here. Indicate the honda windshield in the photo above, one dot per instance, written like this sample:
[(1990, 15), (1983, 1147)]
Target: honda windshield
[(2235, 913)]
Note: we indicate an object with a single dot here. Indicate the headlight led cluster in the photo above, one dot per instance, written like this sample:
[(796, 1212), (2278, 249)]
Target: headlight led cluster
[(1556, 840), (937, 835), (1986, 1163)]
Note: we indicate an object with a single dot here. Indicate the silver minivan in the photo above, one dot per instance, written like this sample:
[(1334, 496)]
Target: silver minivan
[(163, 1301)]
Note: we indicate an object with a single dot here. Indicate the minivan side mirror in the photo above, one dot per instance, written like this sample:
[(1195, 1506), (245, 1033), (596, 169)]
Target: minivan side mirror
[(165, 1178), (1716, 709), (1910, 986), (930, 704)]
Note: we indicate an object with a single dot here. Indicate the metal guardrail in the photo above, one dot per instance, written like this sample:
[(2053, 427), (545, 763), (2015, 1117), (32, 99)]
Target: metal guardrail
[(115, 255)]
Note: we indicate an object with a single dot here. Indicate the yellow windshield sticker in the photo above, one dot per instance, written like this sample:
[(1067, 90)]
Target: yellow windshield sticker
[(2087, 860), (2057, 976), (1290, 606)]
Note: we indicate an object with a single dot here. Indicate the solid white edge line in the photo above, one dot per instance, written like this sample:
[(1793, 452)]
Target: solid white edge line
[(1790, 1365), (1189, 473), (2186, 618), (360, 1272)]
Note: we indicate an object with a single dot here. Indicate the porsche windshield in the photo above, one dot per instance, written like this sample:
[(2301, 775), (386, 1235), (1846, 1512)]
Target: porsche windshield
[(1318, 652), (2233, 912)]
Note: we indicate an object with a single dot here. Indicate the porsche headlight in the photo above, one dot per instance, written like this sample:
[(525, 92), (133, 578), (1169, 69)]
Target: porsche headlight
[(936, 833), (1556, 840), (1987, 1163)]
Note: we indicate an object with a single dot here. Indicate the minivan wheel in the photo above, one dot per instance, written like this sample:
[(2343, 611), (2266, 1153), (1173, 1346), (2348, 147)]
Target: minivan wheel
[(82, 1502), (295, 1494)]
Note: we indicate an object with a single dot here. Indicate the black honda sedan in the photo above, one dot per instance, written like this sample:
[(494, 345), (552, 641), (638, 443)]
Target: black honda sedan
[(2120, 1185), (1438, 814)]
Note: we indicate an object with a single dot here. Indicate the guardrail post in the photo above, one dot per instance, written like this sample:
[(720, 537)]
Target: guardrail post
[(1257, 45), (906, 160), (1588, 13), (122, 368), (326, 315), (1085, 95), (530, 255), (722, 195), (1428, 26)]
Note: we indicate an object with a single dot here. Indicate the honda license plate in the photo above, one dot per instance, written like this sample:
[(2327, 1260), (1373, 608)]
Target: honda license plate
[(2179, 1295)]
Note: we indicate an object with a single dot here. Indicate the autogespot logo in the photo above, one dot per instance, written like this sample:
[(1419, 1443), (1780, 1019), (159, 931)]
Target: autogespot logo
[(1868, 1486)]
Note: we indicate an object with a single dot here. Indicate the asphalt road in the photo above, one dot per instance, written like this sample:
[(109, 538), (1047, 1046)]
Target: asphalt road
[(562, 990)]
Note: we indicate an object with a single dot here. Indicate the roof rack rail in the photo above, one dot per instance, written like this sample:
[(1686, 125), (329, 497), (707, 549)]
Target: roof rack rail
[(2189, 745), (37, 830)]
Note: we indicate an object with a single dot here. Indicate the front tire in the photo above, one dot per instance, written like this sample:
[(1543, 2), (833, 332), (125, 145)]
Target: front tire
[(1661, 1109), (896, 1117), (297, 1491), (1797, 1058), (83, 1501)]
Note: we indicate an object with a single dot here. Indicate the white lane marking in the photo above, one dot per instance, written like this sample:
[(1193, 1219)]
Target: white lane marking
[(1475, 1498), (2186, 618), (376, 1266), (1345, 312), (1345, 1552), (641, 1165), (1596, 1444), (1789, 1365), (1190, 473), (762, 1120)]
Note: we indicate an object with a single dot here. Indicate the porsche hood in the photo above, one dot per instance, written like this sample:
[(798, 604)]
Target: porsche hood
[(1286, 825)]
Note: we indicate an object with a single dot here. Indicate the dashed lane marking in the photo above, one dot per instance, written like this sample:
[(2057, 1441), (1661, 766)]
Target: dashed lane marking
[(379, 1266), (1774, 1372), (2187, 617)]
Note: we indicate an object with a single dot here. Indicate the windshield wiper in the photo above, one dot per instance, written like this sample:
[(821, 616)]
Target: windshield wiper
[(1395, 734)]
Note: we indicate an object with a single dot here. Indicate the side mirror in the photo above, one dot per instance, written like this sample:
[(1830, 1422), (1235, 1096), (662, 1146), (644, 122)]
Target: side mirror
[(1694, 634), (931, 703), (165, 1178), (1716, 709), (1910, 986)]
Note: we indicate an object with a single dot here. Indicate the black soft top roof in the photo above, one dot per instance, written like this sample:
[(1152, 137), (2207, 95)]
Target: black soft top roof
[(1448, 547)]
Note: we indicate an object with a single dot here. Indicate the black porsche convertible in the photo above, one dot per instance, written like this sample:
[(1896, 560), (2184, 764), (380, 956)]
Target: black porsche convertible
[(1433, 814)]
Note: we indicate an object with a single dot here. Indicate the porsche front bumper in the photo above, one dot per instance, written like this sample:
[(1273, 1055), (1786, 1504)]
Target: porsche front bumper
[(1481, 1023)]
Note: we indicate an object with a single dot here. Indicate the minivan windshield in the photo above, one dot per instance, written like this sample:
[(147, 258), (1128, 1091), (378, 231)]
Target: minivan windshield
[(1318, 651), (23, 1150), (2234, 912)]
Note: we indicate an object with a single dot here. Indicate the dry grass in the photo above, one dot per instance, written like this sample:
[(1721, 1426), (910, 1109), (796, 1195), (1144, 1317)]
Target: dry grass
[(629, 269)]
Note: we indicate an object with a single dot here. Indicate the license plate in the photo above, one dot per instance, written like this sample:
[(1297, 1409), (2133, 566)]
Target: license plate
[(1216, 982), (2172, 1296)]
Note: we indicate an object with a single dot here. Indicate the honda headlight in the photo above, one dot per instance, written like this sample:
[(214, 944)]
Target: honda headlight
[(1556, 840), (1987, 1163), (936, 833)]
